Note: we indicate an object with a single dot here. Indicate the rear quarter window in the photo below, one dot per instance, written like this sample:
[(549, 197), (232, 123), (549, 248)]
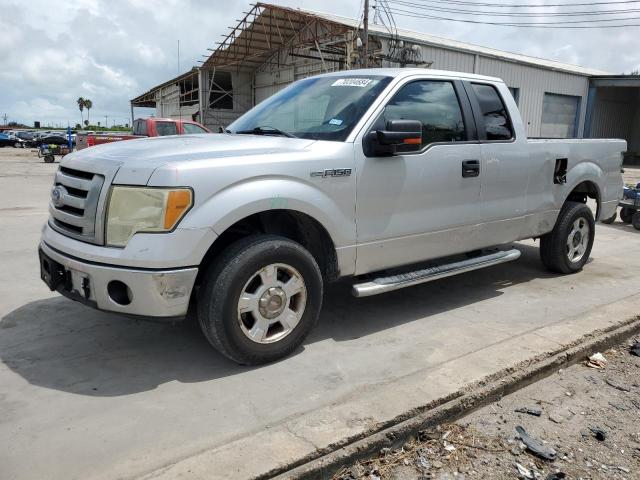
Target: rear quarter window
[(496, 119)]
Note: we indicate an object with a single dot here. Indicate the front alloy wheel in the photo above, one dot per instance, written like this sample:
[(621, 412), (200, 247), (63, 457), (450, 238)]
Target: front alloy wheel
[(259, 299), (272, 303)]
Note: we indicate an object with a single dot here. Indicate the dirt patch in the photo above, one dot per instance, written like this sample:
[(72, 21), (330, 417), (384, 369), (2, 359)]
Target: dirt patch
[(584, 418)]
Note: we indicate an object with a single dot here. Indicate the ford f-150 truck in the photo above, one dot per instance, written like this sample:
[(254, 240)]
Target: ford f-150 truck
[(385, 177)]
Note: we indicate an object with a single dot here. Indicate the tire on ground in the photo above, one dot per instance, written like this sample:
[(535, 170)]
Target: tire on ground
[(226, 279), (635, 220), (554, 248), (626, 214)]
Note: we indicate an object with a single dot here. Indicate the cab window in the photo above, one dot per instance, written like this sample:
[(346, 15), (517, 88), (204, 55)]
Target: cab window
[(494, 113), (192, 128), (435, 104), (166, 128)]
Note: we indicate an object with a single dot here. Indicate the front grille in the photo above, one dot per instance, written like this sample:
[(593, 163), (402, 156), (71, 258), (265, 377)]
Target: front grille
[(73, 208)]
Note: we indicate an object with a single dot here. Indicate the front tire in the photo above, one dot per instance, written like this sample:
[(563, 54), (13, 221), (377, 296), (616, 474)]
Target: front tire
[(260, 299), (567, 247)]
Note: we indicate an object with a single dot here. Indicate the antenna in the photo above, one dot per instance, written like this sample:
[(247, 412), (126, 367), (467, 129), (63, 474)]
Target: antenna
[(178, 56)]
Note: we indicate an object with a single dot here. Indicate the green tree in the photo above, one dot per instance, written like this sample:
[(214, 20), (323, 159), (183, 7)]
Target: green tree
[(81, 105), (88, 104)]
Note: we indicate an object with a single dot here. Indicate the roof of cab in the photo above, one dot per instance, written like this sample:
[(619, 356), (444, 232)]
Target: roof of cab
[(408, 72)]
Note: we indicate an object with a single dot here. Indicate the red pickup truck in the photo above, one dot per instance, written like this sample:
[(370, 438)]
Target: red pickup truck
[(142, 127)]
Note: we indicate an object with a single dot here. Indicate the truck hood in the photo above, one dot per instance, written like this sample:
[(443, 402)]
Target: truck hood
[(134, 161)]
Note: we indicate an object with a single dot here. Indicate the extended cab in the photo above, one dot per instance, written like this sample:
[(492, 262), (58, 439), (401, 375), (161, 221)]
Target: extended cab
[(142, 127), (390, 177)]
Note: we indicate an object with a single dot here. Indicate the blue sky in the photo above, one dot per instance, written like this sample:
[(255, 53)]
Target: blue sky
[(112, 51)]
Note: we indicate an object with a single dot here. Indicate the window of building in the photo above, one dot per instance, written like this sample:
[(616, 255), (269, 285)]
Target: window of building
[(559, 116), (515, 93), (166, 128), (496, 118), (221, 96), (435, 104), (188, 91)]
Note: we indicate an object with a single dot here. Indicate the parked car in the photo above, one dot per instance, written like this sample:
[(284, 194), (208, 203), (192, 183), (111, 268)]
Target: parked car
[(10, 141), (144, 127), (47, 140), (362, 175), (25, 136)]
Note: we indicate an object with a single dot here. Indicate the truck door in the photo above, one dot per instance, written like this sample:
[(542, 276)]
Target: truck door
[(425, 204), (505, 166)]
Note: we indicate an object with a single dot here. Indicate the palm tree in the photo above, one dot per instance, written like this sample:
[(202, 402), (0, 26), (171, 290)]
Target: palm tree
[(88, 104), (81, 101)]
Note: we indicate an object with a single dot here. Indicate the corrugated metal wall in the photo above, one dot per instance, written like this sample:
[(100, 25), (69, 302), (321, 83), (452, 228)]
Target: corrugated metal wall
[(615, 115)]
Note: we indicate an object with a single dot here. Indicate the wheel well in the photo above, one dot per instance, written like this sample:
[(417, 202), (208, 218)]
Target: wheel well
[(583, 191), (296, 226)]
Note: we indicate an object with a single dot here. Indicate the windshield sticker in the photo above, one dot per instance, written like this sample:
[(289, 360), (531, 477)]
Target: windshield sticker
[(335, 121), (352, 82)]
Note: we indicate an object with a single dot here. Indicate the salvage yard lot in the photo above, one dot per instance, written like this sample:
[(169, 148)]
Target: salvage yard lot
[(86, 394)]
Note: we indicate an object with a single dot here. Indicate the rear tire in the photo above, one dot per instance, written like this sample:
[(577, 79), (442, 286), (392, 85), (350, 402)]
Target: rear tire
[(626, 214), (260, 299), (635, 220), (567, 247), (49, 159)]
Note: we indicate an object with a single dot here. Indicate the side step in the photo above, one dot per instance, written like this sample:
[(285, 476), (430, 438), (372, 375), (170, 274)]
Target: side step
[(409, 279)]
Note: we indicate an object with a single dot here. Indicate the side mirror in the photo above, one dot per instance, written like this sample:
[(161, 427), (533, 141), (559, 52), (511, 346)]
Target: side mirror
[(399, 136)]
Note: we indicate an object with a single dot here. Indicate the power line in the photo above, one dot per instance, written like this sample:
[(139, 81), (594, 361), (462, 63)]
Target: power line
[(562, 22), (404, 13), (503, 5), (511, 14)]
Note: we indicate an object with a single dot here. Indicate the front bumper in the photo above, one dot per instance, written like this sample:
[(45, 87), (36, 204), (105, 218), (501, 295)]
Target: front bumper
[(152, 293)]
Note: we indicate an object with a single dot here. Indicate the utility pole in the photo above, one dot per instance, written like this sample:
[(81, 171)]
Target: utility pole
[(365, 41)]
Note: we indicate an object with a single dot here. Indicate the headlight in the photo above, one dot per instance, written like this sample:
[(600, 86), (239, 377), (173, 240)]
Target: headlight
[(142, 209)]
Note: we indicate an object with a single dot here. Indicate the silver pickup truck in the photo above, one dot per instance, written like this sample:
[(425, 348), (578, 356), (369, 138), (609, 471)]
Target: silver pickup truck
[(385, 177)]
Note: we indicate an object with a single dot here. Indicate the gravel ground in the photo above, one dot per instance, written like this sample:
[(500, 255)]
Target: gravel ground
[(587, 416)]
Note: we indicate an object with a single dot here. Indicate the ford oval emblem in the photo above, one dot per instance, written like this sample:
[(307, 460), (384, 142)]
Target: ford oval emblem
[(57, 195)]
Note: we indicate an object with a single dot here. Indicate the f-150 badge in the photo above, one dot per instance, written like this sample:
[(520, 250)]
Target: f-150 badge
[(332, 172)]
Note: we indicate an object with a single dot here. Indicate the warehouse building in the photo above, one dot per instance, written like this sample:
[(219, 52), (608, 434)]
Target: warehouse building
[(273, 46)]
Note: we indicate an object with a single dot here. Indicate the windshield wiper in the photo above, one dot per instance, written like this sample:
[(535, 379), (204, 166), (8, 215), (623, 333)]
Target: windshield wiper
[(266, 130)]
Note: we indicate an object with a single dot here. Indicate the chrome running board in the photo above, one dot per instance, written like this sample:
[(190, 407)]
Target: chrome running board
[(409, 279)]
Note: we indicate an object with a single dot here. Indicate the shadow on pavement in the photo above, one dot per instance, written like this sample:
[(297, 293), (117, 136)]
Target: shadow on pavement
[(59, 344)]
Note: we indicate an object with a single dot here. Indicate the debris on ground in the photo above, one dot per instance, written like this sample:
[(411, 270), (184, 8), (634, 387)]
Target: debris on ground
[(597, 360), (536, 412), (590, 425), (535, 445), (599, 433)]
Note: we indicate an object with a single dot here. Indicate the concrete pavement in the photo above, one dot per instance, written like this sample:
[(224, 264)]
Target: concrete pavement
[(86, 394)]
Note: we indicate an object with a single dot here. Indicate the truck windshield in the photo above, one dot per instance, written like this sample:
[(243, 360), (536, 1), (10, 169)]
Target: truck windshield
[(319, 108)]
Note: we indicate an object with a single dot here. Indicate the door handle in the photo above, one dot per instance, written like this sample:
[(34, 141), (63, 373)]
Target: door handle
[(470, 168)]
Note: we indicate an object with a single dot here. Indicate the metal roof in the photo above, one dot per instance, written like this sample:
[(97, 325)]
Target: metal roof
[(148, 99), (427, 39)]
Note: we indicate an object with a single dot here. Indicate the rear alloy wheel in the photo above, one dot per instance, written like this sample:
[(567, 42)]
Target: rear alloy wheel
[(567, 247), (260, 299)]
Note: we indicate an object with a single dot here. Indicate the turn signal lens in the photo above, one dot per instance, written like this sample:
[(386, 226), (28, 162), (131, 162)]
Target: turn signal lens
[(178, 202)]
